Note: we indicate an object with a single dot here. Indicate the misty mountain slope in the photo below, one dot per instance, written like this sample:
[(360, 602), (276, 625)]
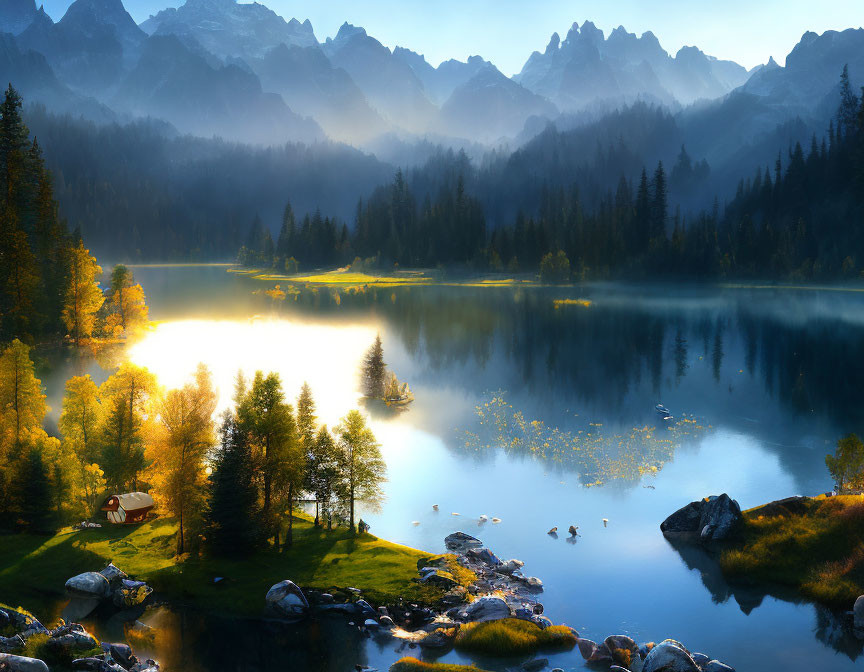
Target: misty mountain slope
[(34, 79), (172, 82), (228, 29), (490, 106), (390, 85), (811, 72), (587, 67), (16, 15), (138, 191), (91, 47), (439, 83), (312, 86)]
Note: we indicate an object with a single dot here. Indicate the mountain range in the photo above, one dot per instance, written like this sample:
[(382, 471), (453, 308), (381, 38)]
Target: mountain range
[(245, 73)]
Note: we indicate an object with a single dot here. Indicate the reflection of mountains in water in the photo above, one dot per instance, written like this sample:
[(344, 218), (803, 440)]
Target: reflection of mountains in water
[(832, 628), (598, 454)]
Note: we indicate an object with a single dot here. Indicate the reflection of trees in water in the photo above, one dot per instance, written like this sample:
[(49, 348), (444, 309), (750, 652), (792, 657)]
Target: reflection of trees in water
[(601, 352), (595, 453)]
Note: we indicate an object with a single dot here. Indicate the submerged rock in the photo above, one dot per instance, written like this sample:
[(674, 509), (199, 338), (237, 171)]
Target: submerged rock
[(714, 518), (11, 644), (287, 600), (717, 666)]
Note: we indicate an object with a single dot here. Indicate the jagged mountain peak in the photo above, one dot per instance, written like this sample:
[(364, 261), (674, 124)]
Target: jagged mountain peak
[(554, 43), (347, 31), (16, 15)]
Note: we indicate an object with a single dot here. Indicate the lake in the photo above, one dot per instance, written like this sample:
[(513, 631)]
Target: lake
[(542, 415)]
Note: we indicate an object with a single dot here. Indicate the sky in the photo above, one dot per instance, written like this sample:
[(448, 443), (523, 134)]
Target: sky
[(507, 31)]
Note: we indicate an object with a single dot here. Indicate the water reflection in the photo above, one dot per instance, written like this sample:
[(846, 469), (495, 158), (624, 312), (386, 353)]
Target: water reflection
[(774, 375)]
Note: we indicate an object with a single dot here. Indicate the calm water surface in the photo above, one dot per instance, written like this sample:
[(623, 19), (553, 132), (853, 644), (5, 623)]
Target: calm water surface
[(542, 417)]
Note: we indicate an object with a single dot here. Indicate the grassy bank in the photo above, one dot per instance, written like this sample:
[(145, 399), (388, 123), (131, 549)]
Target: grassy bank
[(815, 545), (35, 568), (512, 637)]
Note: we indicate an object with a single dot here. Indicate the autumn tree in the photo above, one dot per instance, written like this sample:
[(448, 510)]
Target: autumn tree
[(374, 370), (128, 396), (81, 417), (362, 469), (128, 304), (306, 435), (83, 297), (846, 465), (183, 434)]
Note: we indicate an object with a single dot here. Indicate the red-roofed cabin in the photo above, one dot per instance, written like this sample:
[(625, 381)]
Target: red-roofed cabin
[(128, 509)]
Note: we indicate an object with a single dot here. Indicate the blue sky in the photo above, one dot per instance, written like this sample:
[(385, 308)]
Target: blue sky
[(507, 31)]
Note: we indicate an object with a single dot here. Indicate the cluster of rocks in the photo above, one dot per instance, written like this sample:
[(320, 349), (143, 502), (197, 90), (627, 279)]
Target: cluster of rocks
[(64, 642), (858, 616), (108, 586), (712, 519), (622, 654)]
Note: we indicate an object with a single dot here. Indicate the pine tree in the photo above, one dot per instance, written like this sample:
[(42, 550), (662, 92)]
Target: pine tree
[(847, 113), (659, 204), (232, 518), (36, 497), (285, 242), (374, 371)]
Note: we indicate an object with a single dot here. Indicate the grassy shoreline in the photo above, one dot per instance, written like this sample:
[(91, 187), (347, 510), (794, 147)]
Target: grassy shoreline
[(815, 545), (35, 568)]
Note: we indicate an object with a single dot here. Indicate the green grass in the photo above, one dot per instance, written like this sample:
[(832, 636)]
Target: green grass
[(819, 549), (413, 665), (512, 637), (35, 568)]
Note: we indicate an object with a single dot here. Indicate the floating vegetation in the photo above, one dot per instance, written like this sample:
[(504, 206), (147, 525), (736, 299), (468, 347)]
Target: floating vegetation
[(596, 454), (582, 303)]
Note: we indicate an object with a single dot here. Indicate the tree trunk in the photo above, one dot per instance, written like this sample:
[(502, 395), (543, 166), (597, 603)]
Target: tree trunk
[(290, 538)]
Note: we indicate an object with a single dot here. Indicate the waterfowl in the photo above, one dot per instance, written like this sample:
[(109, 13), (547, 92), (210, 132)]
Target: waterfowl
[(554, 530)]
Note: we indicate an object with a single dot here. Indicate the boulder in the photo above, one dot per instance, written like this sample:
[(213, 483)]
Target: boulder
[(594, 653), (386, 622), (14, 663), (287, 600), (147, 666), (623, 649), (484, 555), (130, 593), (11, 644), (73, 641), (535, 665), (327, 598), (365, 609), (669, 656), (121, 654), (114, 575), (714, 518), (858, 612), (700, 659), (487, 608), (438, 577), (459, 541), (510, 566), (717, 666), (439, 639), (370, 623), (88, 584)]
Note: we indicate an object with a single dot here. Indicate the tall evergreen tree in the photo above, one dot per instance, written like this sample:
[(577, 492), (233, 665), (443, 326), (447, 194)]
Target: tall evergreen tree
[(374, 370)]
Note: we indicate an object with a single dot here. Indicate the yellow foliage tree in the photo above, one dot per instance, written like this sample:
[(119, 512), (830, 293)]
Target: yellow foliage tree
[(129, 312), (180, 440), (22, 401), (83, 297), (128, 397), (81, 417)]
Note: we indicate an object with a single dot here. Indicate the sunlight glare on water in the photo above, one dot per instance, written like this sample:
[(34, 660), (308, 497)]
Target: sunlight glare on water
[(327, 357)]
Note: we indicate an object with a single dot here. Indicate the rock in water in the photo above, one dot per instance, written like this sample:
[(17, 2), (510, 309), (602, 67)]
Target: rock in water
[(461, 541), (669, 656), (858, 612), (487, 608), (624, 650), (88, 584), (716, 666), (11, 644), (438, 639), (714, 518), (287, 600), (21, 664)]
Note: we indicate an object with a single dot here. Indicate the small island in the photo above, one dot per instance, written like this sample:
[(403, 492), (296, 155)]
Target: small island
[(377, 385)]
